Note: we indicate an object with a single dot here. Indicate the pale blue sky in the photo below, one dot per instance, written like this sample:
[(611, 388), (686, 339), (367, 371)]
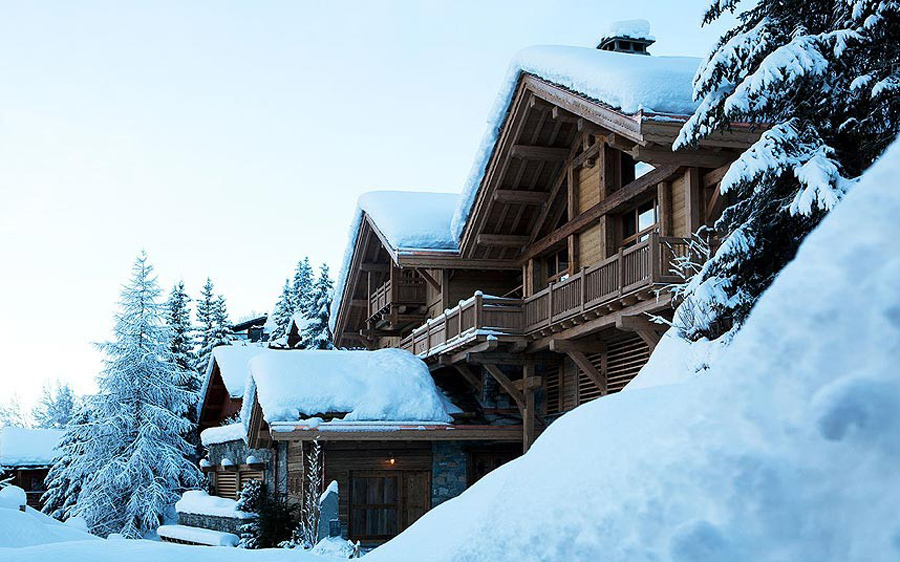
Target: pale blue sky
[(230, 138)]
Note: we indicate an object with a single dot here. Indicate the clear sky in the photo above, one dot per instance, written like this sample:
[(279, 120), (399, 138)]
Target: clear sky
[(229, 139)]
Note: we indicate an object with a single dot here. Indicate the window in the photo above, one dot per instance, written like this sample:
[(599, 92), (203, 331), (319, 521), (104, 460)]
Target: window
[(638, 223), (557, 266)]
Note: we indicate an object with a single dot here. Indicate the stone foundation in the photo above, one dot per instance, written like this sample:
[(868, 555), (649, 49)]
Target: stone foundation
[(449, 474), (221, 524)]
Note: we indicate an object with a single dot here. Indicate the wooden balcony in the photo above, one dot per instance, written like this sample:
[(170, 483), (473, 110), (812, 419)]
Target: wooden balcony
[(632, 270), (399, 301)]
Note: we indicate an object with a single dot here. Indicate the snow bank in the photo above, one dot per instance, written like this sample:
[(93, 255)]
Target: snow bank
[(12, 497), (785, 449), (21, 529), (382, 385), (676, 361), (232, 361), (28, 447), (629, 83), (198, 535), (408, 220), (223, 434), (198, 502)]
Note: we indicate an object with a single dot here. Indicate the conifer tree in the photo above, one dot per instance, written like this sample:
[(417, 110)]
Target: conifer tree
[(281, 314), (55, 407), (213, 324), (302, 287), (11, 413), (134, 459), (63, 482), (823, 77), (317, 333), (181, 346)]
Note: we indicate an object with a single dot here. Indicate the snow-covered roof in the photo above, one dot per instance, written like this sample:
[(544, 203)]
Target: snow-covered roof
[(632, 29), (232, 361), (382, 385), (408, 221), (28, 447), (223, 434), (625, 82)]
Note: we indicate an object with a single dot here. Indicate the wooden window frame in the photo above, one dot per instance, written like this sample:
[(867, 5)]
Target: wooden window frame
[(634, 213)]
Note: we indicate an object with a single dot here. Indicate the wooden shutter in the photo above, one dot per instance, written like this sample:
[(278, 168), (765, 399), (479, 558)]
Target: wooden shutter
[(626, 357), (226, 483)]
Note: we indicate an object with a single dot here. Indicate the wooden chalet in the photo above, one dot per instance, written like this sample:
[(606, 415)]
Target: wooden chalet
[(26, 456), (558, 248)]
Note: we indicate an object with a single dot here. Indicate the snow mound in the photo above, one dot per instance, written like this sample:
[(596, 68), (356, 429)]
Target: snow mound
[(334, 547), (198, 502), (632, 29), (21, 529), (622, 81), (223, 434), (12, 497), (28, 447), (784, 449), (382, 385)]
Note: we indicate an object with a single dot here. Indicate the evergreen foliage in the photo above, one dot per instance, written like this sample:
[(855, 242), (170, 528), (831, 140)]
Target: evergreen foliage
[(133, 459), (317, 333), (11, 413), (823, 76), (302, 287), (250, 501), (181, 346), (281, 314), (63, 482), (55, 408), (213, 324)]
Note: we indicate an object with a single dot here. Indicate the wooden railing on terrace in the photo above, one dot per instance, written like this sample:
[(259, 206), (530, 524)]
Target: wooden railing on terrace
[(641, 266), (405, 290)]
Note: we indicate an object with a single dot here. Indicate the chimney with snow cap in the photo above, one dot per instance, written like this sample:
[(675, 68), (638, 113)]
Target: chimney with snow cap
[(629, 36)]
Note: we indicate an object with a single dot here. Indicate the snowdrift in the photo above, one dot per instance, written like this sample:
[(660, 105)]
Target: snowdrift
[(786, 448), (20, 529)]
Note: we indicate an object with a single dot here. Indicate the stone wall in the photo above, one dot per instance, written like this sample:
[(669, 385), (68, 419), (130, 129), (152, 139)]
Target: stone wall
[(238, 451), (222, 524), (449, 474)]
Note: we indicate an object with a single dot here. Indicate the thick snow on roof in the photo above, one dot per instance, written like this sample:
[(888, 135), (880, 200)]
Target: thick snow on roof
[(633, 29), (198, 502), (785, 448), (28, 447), (232, 361), (382, 385), (223, 434), (409, 220), (626, 82)]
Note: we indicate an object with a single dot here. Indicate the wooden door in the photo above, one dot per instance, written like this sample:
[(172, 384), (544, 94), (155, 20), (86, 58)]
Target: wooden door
[(383, 503)]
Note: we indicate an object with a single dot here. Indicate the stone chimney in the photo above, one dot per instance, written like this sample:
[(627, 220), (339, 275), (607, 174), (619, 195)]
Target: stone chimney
[(629, 36)]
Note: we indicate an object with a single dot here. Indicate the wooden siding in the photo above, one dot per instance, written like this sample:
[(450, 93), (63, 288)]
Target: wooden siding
[(679, 220)]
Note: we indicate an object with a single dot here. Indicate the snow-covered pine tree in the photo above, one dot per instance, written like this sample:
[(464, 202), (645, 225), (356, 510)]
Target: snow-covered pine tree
[(317, 333), (250, 501), (308, 527), (63, 482), (281, 314), (55, 407), (213, 324), (181, 346), (302, 287), (133, 447), (823, 76), (11, 413)]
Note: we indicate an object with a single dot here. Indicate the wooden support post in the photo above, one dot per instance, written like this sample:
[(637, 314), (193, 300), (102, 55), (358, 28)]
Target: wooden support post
[(664, 203), (507, 385), (467, 374), (528, 412), (693, 200)]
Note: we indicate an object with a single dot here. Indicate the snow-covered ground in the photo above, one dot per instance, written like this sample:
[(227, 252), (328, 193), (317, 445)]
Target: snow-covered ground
[(785, 448)]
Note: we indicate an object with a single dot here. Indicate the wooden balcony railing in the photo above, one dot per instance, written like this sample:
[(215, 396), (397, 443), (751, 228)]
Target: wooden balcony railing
[(644, 265), (405, 290)]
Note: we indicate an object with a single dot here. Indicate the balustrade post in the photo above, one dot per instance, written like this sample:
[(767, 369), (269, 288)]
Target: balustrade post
[(550, 304), (477, 312), (620, 265), (655, 257), (583, 286)]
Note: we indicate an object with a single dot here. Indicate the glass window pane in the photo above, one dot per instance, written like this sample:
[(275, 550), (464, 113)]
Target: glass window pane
[(646, 216)]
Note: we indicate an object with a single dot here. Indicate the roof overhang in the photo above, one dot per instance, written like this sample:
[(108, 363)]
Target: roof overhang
[(391, 431)]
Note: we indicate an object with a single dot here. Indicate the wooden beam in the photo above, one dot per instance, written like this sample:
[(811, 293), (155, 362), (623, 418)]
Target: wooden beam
[(529, 412), (664, 201), (692, 199), (507, 385), (528, 383), (469, 376), (588, 369), (502, 240), (501, 358), (375, 267), (521, 197), (360, 303), (465, 355), (510, 433), (650, 337), (538, 152), (590, 216), (429, 279), (563, 346)]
